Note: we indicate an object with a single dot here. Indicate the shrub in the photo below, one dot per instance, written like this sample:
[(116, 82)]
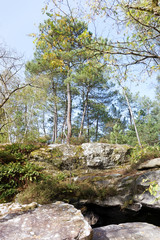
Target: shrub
[(139, 155), (62, 188), (77, 140), (15, 171), (20, 150), (6, 157), (14, 176), (44, 139)]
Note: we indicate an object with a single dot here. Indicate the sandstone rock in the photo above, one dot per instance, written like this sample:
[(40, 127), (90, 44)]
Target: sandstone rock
[(153, 163), (15, 208), (143, 182), (56, 221), (103, 155), (92, 155), (127, 231), (62, 156)]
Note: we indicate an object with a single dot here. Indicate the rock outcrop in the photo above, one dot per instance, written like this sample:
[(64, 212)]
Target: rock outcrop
[(127, 231), (101, 183), (9, 209), (149, 180), (108, 163), (90, 155), (54, 221), (105, 167), (153, 163), (103, 155)]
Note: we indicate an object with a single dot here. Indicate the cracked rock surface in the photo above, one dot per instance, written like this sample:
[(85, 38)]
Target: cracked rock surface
[(54, 221)]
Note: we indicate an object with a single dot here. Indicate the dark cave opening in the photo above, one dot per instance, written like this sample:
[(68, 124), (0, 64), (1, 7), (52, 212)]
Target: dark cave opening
[(99, 216)]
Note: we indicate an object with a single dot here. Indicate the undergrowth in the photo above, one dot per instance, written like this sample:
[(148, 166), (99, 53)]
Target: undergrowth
[(139, 155), (15, 170), (61, 188)]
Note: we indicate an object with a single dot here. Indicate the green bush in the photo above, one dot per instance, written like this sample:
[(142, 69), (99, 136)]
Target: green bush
[(15, 171), (77, 140), (44, 139), (139, 155), (14, 176), (63, 189), (20, 150), (6, 157)]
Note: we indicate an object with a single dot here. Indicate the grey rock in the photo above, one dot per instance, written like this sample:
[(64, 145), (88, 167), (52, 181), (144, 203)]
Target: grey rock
[(134, 207), (103, 155), (93, 155), (143, 182), (153, 163), (127, 231), (61, 156), (7, 209), (56, 221), (91, 217), (111, 201)]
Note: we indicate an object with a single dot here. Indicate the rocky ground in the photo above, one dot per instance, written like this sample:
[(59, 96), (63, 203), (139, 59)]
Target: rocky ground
[(105, 167), (114, 188)]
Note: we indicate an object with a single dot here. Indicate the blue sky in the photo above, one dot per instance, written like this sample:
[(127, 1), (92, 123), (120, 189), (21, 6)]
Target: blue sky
[(18, 18)]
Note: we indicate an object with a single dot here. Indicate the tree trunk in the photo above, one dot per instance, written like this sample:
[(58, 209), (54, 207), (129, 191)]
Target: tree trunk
[(97, 129), (55, 114), (55, 122), (87, 125), (28, 119), (132, 116), (69, 107), (43, 123), (63, 133), (84, 113)]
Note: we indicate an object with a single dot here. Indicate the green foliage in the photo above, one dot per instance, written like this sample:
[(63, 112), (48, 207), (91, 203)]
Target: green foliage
[(146, 153), (6, 157), (153, 188), (62, 188), (117, 136), (43, 139), (56, 157), (15, 171), (20, 150), (78, 140), (16, 175)]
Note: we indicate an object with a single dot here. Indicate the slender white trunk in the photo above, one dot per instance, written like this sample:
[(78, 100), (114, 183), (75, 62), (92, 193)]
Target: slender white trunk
[(83, 116), (69, 107), (132, 116)]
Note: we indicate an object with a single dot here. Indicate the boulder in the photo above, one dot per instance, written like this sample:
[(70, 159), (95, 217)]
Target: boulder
[(8, 209), (153, 163), (88, 155), (103, 166), (61, 156), (135, 191), (103, 155), (148, 181), (54, 221), (127, 231)]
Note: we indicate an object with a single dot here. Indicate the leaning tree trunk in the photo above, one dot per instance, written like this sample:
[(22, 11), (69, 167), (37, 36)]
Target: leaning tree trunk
[(69, 107), (132, 117)]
